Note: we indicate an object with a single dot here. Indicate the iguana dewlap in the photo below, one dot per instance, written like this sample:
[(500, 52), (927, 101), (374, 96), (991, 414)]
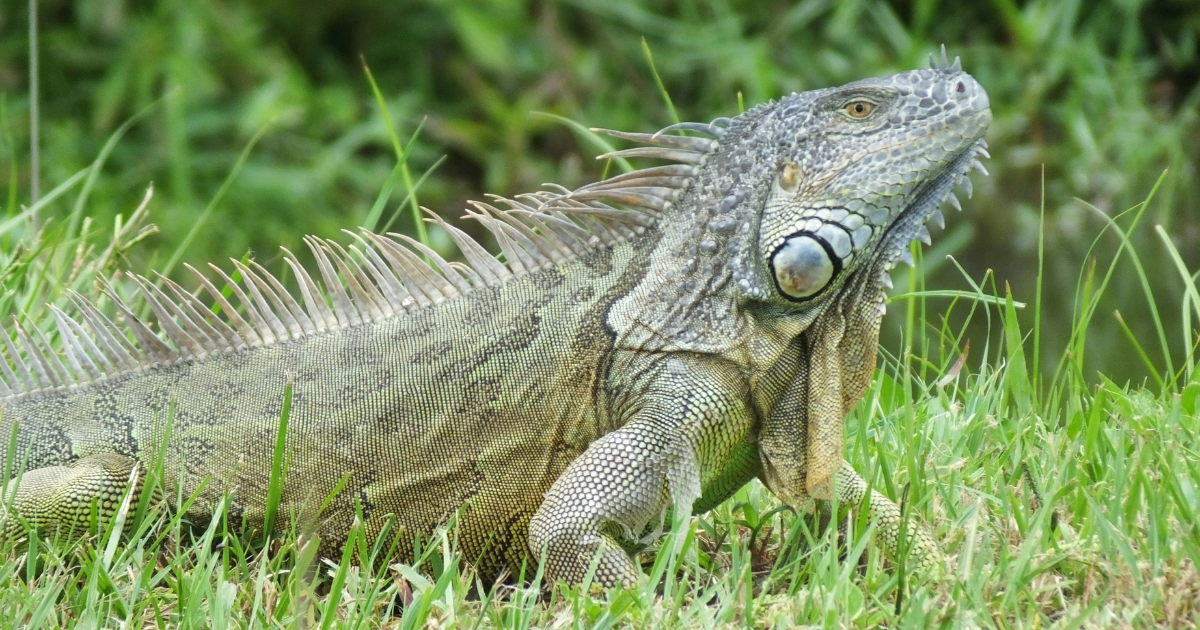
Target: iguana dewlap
[(649, 344)]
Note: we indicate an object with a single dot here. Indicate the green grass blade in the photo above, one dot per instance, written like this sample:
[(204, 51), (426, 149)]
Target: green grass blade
[(212, 203), (401, 155), (118, 522), (98, 164), (954, 294), (598, 140), (1190, 292), (412, 193), (278, 464), (662, 89), (154, 471), (1150, 369), (1036, 363), (339, 580), (10, 458), (14, 183), (384, 194), (1090, 300), (1136, 261), (49, 198)]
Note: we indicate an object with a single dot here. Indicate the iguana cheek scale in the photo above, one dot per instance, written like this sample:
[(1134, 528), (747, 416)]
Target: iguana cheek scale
[(648, 344)]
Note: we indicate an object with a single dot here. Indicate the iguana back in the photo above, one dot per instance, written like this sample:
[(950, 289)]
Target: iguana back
[(651, 341), (432, 412)]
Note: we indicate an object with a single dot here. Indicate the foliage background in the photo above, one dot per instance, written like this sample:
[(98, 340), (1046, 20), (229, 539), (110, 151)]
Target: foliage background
[(1092, 98)]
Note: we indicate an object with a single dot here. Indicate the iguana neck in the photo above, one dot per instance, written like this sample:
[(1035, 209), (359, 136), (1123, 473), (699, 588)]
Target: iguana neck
[(701, 278)]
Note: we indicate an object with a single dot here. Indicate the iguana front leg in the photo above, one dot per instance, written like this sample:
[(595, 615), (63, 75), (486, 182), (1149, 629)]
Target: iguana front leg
[(687, 435), (605, 497), (61, 497)]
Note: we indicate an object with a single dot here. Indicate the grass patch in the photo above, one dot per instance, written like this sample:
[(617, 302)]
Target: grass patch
[(1070, 503)]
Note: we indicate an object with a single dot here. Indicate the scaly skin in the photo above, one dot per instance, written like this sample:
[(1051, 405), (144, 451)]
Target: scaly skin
[(565, 409)]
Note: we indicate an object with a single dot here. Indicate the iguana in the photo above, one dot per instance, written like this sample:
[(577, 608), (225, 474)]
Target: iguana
[(647, 345)]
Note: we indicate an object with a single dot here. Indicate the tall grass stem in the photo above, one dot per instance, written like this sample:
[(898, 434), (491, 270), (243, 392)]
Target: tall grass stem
[(34, 166)]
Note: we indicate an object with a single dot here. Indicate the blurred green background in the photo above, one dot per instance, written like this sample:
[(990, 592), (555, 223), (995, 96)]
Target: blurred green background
[(1098, 96)]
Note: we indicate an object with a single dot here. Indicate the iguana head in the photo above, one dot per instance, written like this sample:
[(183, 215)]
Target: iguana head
[(792, 205), (868, 164)]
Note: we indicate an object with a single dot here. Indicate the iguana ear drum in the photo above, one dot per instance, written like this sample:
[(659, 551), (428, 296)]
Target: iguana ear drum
[(803, 266)]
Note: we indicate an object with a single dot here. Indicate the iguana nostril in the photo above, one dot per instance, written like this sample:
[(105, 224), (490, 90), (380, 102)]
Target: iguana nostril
[(961, 87)]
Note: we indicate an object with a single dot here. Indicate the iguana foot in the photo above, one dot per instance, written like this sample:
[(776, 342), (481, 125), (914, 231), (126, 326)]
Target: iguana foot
[(570, 555), (61, 497), (923, 553)]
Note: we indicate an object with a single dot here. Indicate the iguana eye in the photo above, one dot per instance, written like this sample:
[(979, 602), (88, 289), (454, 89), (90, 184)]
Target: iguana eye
[(859, 109), (803, 267)]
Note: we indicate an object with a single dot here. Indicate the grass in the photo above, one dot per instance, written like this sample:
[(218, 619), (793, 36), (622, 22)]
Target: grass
[(1061, 501), (1063, 497)]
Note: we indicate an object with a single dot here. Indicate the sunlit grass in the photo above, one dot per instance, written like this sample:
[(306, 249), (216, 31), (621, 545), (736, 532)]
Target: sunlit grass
[(1074, 506)]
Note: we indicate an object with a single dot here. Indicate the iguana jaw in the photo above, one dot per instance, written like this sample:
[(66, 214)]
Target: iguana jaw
[(909, 225)]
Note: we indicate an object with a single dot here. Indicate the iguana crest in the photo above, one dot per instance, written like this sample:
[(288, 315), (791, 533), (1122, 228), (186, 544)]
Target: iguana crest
[(375, 277)]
